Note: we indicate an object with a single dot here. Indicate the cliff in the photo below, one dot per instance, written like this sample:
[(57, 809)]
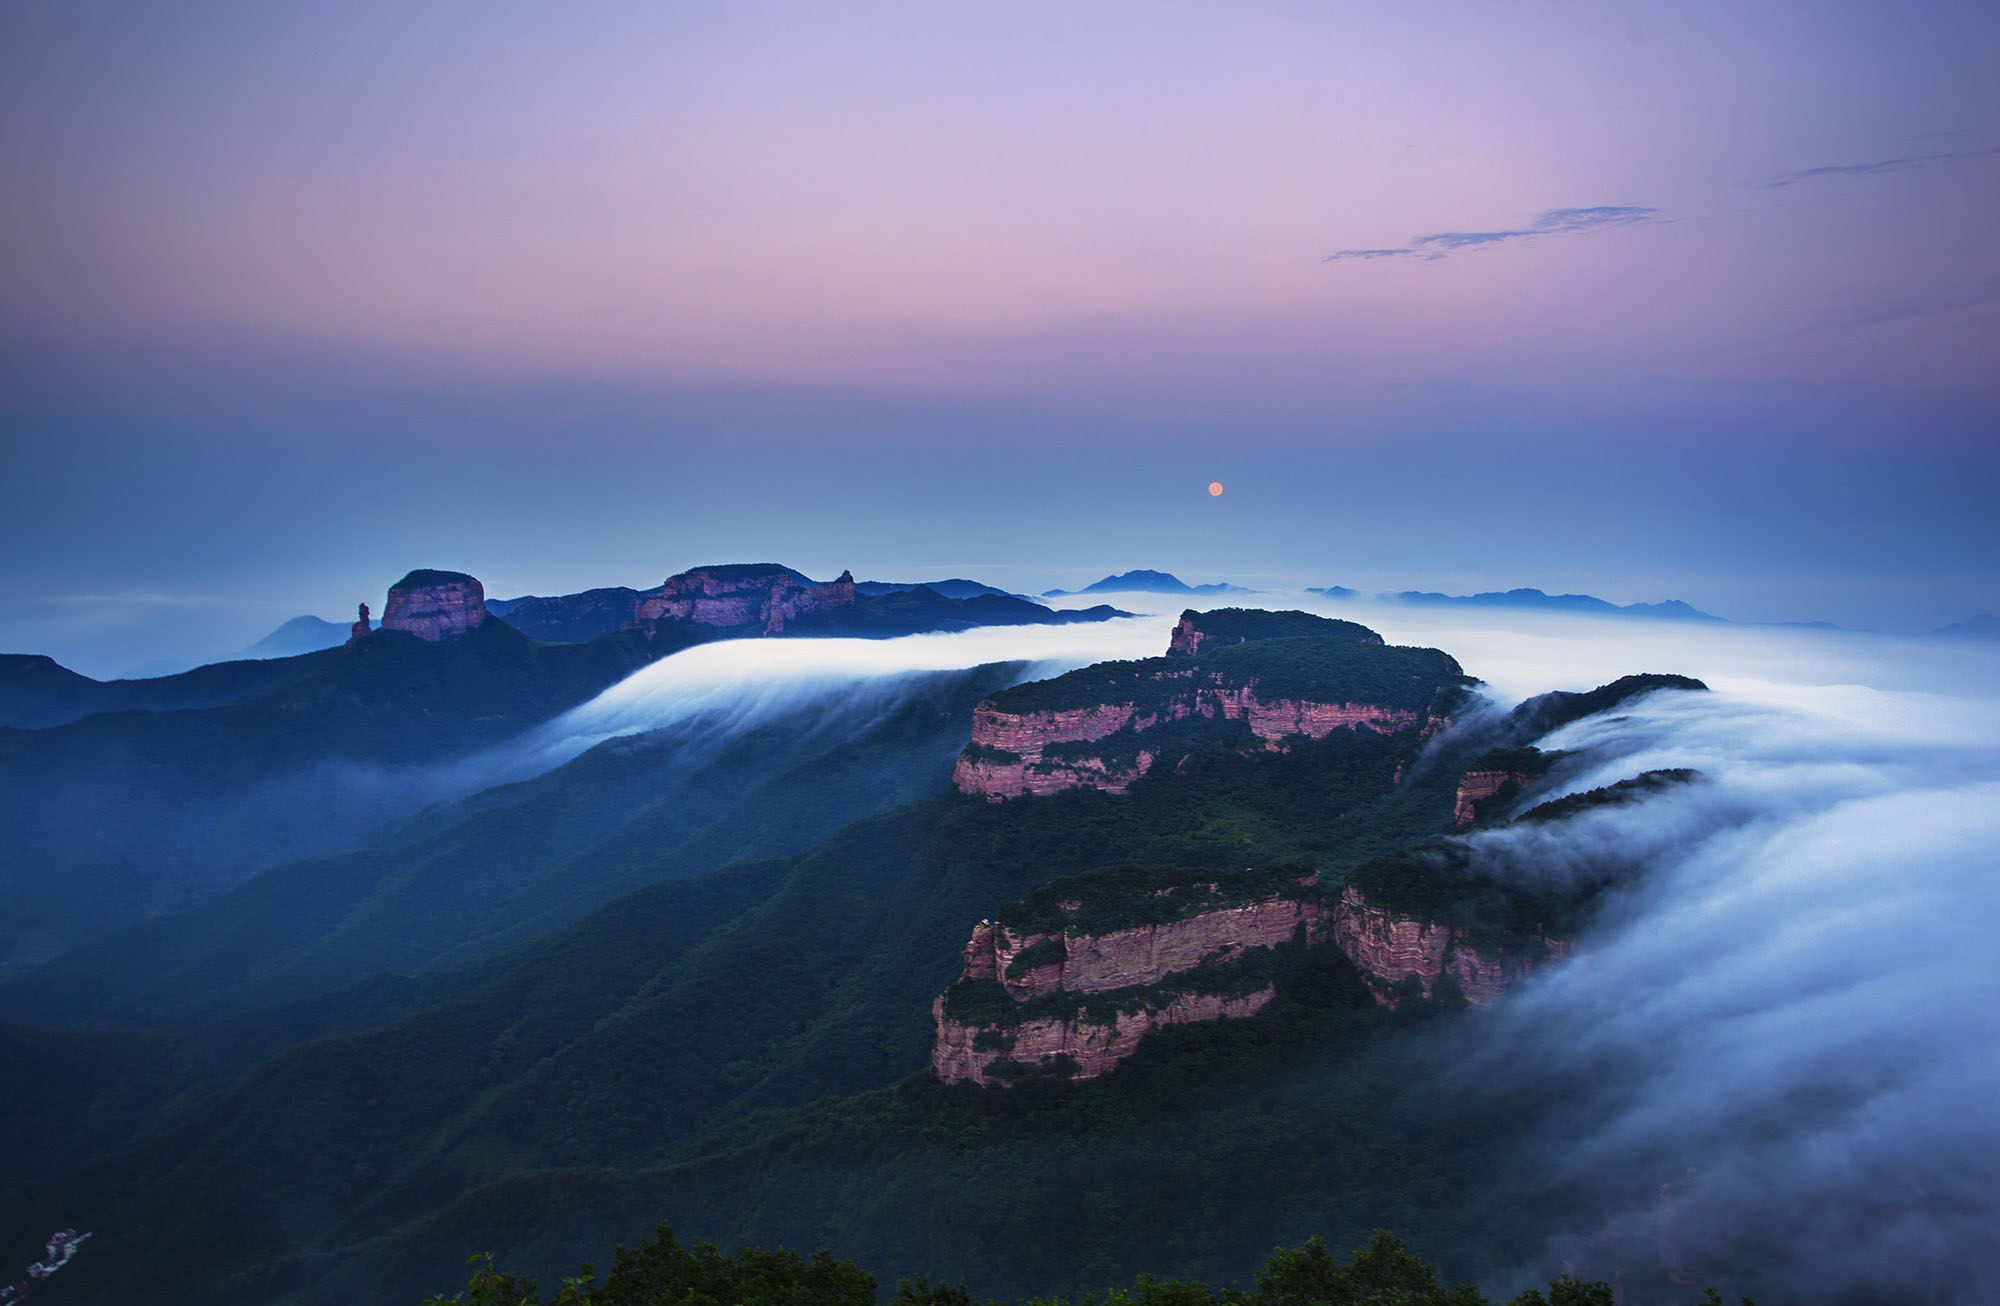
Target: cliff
[(752, 597), (1495, 780), (1074, 998), (433, 605), (1069, 981), (1105, 726), (1403, 955)]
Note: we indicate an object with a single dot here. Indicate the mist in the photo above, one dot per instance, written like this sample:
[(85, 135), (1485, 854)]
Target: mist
[(1772, 1062), (737, 684)]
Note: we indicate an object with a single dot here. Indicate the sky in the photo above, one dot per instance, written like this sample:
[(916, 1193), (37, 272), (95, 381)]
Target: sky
[(1696, 302)]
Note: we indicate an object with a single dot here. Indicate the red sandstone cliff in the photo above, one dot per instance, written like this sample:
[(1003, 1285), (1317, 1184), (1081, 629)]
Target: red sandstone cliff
[(1390, 948), (1129, 973), (1496, 778), (1094, 1047), (1006, 758), (1476, 787), (1187, 637), (1125, 963), (762, 597), (433, 605)]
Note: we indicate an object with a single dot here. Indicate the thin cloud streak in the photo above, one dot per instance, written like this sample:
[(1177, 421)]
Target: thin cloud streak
[(1879, 167), (1555, 222)]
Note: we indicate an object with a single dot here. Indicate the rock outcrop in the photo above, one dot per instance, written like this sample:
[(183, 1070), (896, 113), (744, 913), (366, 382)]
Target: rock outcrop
[(434, 605), (1392, 948), (1102, 727), (1075, 996), (753, 597), (1495, 779), (360, 629), (1476, 787), (1011, 754), (1077, 1002)]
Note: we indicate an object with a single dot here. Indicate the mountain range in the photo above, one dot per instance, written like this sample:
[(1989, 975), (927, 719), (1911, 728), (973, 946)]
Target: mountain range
[(128, 799), (983, 979), (1670, 610)]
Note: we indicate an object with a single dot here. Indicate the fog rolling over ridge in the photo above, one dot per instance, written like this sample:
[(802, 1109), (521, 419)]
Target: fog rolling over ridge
[(1773, 1061), (736, 684)]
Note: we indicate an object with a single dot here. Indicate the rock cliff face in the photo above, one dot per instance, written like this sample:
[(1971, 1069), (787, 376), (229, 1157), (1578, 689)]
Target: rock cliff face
[(1009, 753), (1496, 779), (754, 596), (1076, 1002), (1391, 948), (966, 1054), (1264, 679), (434, 605), (1081, 1002), (1476, 787)]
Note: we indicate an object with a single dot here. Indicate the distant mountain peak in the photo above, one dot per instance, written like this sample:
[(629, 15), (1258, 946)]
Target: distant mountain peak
[(1983, 626), (306, 634), (1146, 581)]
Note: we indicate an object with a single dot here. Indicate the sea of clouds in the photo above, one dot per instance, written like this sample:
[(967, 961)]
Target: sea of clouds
[(1774, 1061)]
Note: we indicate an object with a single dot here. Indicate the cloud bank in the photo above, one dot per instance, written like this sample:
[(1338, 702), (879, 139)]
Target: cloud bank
[(1772, 1063), (735, 684)]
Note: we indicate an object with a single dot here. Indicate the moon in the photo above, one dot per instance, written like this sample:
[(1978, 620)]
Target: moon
[(1214, 489)]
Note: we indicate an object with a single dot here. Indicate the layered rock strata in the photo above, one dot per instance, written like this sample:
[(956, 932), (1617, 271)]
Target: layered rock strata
[(1122, 983), (1076, 1003), (434, 605), (1009, 753), (1262, 679)]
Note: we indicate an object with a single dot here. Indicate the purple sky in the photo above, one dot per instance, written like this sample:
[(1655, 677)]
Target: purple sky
[(1698, 301)]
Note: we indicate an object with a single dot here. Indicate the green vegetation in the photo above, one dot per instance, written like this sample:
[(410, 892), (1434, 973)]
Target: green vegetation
[(1125, 896), (1143, 682), (1337, 671), (1168, 742), (1380, 1272), (1625, 791), (1317, 669), (749, 571), (465, 879), (1049, 951), (1220, 626), (742, 1052), (1546, 712), (1521, 761), (428, 576)]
